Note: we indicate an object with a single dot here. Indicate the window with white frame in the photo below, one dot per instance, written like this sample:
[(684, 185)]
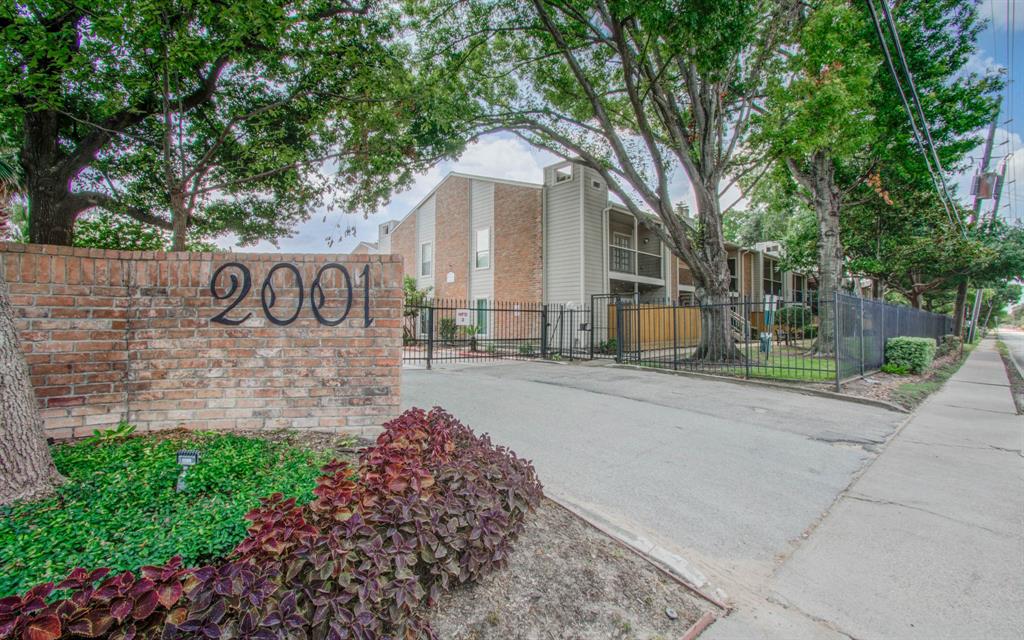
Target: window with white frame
[(733, 282), (772, 277), (427, 259), (483, 248)]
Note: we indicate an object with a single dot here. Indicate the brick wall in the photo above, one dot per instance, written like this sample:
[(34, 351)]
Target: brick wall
[(117, 335), (518, 266), (403, 243), (451, 228)]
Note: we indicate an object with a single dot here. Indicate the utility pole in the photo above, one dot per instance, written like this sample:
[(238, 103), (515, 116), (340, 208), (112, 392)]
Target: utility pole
[(961, 289), (995, 212)]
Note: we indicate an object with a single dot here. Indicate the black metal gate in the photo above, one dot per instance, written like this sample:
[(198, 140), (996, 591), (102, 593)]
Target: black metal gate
[(467, 331)]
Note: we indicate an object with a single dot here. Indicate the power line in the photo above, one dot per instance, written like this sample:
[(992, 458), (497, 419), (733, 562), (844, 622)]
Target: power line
[(916, 99), (918, 138)]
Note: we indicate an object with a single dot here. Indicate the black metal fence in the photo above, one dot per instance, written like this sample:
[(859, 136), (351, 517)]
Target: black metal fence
[(465, 331), (808, 340), (864, 326)]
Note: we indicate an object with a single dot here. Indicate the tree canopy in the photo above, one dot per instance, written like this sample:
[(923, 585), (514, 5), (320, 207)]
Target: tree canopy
[(239, 117)]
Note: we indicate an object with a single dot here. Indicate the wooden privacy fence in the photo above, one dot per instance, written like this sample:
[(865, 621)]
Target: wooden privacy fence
[(659, 326)]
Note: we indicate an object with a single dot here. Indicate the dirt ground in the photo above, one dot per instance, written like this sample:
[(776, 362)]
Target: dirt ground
[(880, 386), (568, 581)]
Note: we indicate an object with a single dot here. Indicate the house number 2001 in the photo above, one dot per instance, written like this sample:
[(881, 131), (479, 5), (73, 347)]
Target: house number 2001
[(268, 297)]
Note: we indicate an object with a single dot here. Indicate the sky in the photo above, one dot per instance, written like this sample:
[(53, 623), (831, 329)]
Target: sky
[(503, 155)]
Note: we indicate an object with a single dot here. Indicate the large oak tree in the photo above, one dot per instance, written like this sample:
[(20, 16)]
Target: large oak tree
[(642, 92), (241, 116)]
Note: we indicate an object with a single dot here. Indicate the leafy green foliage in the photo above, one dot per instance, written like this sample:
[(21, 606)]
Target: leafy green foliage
[(245, 116), (119, 508), (913, 354), (948, 345), (896, 369), (121, 431), (446, 329), (430, 506), (105, 230)]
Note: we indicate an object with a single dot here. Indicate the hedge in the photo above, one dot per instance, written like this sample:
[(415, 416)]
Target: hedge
[(948, 345), (429, 507), (915, 354)]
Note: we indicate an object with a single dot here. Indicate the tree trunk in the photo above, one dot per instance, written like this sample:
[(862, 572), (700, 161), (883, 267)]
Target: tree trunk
[(959, 307), (717, 341), (26, 469), (819, 179), (179, 221), (711, 277), (50, 219)]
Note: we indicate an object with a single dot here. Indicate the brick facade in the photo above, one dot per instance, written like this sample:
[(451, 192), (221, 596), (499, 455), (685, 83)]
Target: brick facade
[(451, 241), (518, 244), (121, 335), (403, 243)]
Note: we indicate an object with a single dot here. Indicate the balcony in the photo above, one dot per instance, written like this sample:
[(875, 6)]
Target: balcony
[(627, 261)]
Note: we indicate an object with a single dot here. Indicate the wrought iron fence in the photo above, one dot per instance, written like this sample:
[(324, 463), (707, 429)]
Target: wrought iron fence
[(864, 326), (465, 331), (802, 340)]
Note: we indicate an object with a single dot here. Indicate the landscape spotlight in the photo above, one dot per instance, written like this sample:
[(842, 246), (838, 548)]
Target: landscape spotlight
[(186, 459)]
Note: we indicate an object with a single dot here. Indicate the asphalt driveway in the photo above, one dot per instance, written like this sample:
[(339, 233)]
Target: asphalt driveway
[(728, 476)]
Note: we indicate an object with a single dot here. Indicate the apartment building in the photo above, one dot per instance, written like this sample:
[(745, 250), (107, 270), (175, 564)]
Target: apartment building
[(482, 239)]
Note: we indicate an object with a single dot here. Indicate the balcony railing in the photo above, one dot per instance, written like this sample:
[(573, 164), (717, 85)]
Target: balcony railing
[(635, 263)]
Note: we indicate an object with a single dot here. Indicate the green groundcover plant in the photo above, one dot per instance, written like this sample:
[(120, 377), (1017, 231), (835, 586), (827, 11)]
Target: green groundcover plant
[(913, 354), (429, 507), (119, 508)]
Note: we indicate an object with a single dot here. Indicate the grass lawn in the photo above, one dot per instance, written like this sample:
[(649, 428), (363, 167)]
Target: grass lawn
[(779, 366), (119, 507)]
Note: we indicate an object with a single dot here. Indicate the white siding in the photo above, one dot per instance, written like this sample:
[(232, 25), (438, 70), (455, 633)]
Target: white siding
[(562, 246), (425, 233), (481, 216), (595, 199)]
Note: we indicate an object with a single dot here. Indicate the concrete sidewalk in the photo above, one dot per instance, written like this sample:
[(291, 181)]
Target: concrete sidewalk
[(929, 542)]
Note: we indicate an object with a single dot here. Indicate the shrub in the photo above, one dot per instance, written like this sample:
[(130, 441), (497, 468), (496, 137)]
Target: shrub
[(915, 354), (608, 346), (794, 316), (119, 508), (810, 331), (948, 345), (446, 330), (430, 506), (896, 369)]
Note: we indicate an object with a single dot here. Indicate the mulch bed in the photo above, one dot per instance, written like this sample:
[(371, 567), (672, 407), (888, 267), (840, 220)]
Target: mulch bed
[(568, 581), (880, 386)]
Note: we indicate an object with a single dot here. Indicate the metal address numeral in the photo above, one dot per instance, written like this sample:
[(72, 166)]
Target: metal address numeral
[(269, 286), (316, 290), (222, 317), (268, 297)]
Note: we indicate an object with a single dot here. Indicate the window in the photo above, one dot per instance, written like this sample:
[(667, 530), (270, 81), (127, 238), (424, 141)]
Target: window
[(596, 184), (483, 248), (733, 283), (798, 288), (772, 277), (481, 315), (427, 259), (621, 253), (563, 174)]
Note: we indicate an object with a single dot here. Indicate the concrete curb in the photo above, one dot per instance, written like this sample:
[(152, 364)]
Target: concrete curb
[(699, 626), (773, 385), (668, 563)]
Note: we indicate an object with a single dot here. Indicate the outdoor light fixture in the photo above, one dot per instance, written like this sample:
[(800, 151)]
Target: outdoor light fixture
[(186, 459)]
